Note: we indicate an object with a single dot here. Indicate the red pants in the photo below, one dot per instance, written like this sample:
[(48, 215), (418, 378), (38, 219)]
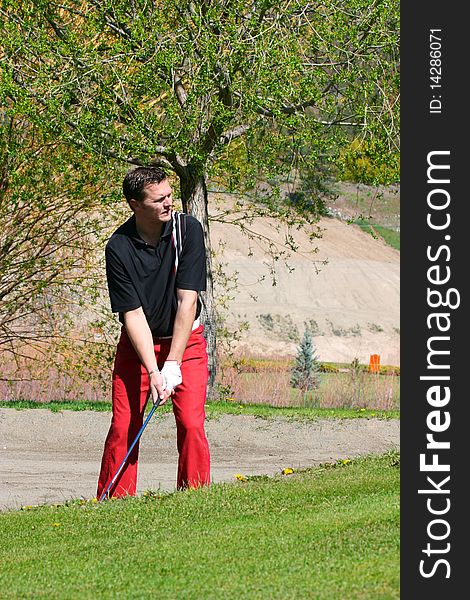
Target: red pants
[(130, 393)]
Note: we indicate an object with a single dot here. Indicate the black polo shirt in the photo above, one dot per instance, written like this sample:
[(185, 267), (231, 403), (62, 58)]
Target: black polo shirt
[(139, 274)]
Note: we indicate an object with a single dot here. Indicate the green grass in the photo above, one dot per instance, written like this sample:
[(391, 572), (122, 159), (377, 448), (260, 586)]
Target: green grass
[(325, 533), (390, 236), (216, 409), (57, 406)]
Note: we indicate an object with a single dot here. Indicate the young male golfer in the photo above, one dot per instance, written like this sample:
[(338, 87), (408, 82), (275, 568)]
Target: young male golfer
[(155, 267)]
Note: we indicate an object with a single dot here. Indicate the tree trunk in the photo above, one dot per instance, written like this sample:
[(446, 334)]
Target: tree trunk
[(194, 199)]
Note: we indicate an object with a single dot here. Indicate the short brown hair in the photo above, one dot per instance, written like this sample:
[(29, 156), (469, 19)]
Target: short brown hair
[(137, 179)]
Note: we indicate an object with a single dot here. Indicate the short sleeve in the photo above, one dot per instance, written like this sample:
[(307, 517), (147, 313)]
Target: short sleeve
[(122, 293), (191, 273)]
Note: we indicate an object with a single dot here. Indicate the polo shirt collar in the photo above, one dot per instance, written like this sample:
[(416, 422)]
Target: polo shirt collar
[(132, 230)]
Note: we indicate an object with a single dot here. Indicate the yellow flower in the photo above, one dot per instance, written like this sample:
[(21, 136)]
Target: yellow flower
[(287, 471), (345, 461), (240, 477), (55, 524)]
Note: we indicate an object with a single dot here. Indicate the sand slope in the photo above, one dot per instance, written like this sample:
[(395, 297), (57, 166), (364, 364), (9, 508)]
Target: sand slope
[(352, 302)]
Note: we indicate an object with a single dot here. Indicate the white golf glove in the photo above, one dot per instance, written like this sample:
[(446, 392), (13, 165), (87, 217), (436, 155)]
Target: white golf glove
[(171, 373)]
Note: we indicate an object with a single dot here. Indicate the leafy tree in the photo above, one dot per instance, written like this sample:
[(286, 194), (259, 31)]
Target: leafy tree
[(229, 90), (52, 225), (366, 162), (306, 369)]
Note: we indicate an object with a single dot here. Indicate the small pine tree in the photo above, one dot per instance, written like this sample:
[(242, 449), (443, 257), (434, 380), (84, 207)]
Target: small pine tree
[(305, 373)]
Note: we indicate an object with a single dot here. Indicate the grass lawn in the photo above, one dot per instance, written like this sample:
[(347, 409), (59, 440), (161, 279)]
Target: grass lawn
[(216, 409), (328, 532)]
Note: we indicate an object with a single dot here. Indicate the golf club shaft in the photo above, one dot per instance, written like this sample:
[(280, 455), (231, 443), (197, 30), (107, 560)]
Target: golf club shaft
[(113, 480)]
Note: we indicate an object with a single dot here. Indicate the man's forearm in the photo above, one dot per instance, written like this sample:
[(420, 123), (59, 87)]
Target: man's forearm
[(184, 320), (141, 337)]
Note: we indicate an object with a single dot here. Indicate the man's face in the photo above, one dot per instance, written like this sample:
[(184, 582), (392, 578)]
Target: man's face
[(157, 204)]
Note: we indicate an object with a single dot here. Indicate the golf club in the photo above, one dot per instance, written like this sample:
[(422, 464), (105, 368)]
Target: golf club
[(113, 480)]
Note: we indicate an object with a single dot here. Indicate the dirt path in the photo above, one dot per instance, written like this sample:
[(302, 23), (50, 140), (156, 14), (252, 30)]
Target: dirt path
[(52, 457)]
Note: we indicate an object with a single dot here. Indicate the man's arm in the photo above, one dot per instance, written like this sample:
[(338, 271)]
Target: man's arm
[(184, 319), (141, 338), (182, 327)]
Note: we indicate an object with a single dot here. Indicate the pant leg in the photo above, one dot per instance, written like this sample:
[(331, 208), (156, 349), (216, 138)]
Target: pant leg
[(129, 397), (188, 408)]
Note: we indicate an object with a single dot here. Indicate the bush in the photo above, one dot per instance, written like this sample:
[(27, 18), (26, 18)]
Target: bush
[(329, 368)]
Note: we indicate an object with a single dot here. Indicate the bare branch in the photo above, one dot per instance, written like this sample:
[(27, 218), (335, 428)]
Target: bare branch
[(234, 133)]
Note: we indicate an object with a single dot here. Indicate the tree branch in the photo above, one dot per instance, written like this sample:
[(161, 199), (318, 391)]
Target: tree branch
[(234, 133)]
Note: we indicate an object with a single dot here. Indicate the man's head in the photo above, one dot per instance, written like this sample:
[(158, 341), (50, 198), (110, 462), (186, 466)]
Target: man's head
[(149, 194), (138, 179)]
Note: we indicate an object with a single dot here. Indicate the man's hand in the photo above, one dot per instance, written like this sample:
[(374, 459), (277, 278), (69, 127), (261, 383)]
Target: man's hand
[(157, 387), (171, 373)]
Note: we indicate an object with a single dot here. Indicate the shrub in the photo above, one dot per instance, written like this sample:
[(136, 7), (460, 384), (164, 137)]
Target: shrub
[(329, 368)]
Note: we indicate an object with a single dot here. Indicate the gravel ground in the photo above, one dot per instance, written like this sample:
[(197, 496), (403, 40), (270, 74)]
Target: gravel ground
[(48, 457)]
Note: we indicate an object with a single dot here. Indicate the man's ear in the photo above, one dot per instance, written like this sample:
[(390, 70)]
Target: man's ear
[(133, 203)]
